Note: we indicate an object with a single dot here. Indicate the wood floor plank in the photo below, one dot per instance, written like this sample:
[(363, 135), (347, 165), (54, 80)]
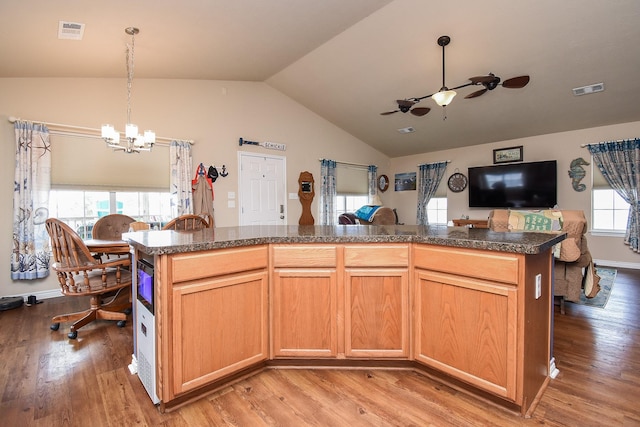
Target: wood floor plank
[(315, 406), (115, 391)]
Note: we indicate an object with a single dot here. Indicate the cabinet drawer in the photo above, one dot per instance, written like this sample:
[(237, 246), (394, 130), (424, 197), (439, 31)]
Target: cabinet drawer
[(497, 266), (304, 256), (197, 265), (375, 255)]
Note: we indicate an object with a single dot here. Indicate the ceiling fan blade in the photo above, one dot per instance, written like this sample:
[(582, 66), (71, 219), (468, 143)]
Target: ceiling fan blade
[(475, 94), (386, 113), (516, 82), (420, 111)]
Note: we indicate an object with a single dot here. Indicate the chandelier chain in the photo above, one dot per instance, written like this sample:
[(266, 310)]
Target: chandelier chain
[(130, 57)]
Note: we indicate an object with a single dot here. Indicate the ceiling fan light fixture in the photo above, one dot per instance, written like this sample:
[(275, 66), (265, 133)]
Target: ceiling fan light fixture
[(443, 97)]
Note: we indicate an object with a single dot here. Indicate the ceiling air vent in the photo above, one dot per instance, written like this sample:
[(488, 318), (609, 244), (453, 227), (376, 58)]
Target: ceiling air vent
[(70, 30), (407, 130), (584, 90)]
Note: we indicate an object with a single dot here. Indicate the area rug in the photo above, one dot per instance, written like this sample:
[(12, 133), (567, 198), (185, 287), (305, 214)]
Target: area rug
[(607, 278)]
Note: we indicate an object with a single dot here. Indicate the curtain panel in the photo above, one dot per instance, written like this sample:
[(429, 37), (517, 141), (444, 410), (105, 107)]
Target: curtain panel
[(429, 177), (372, 174), (31, 253), (327, 208), (181, 192), (619, 163)]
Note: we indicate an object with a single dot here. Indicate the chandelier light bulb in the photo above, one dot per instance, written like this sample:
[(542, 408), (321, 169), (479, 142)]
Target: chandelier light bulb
[(131, 130), (139, 141), (107, 131), (149, 137)]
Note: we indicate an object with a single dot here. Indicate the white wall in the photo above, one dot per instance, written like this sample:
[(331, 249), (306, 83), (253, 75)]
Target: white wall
[(564, 147), (213, 113)]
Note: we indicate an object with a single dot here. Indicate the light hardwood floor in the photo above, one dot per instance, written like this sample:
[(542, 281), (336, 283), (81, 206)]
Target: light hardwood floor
[(48, 380)]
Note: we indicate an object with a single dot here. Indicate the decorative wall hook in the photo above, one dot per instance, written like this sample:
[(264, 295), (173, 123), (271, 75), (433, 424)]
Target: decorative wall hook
[(224, 172), (213, 173)]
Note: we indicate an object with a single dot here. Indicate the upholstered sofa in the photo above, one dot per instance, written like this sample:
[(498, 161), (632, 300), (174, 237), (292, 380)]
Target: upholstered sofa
[(572, 259), (382, 216)]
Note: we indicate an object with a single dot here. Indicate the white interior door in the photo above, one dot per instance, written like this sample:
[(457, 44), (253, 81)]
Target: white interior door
[(262, 189)]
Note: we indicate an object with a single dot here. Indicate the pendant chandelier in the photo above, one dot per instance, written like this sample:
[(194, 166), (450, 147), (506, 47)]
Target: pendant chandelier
[(133, 141)]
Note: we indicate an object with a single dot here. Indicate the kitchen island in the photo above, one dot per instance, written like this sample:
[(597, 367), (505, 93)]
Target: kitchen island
[(471, 307)]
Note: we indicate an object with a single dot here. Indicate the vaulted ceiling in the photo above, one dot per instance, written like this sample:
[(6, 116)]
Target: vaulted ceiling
[(350, 60)]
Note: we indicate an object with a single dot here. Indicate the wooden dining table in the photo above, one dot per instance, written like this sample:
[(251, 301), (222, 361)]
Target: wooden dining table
[(107, 247)]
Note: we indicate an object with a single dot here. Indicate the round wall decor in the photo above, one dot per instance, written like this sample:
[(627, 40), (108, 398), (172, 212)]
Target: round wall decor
[(457, 182), (383, 183)]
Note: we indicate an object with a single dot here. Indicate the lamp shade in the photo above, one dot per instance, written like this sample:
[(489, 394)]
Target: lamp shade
[(444, 97), (131, 130), (107, 131), (149, 137)]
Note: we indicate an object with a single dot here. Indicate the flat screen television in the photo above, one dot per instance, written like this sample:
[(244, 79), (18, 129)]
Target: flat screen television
[(516, 185)]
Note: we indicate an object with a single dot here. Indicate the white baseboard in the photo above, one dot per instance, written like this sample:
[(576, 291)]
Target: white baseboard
[(133, 366), (609, 263), (53, 293), (553, 371)]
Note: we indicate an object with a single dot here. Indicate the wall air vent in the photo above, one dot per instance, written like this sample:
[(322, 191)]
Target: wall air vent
[(407, 130), (70, 30), (585, 90)]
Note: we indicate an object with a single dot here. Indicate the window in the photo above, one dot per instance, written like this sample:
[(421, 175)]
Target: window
[(352, 188), (106, 182), (437, 210), (81, 209), (610, 211), (350, 203)]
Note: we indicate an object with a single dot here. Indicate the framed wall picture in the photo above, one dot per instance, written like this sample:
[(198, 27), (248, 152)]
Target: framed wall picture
[(405, 181), (506, 155)]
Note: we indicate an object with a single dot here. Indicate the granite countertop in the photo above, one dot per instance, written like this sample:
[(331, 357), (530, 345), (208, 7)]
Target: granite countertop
[(171, 242)]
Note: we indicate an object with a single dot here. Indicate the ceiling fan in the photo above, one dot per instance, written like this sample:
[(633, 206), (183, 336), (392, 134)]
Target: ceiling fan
[(445, 95)]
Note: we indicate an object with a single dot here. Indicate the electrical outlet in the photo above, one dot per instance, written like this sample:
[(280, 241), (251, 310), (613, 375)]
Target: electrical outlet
[(538, 285)]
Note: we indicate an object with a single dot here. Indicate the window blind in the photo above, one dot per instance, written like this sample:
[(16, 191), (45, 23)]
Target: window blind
[(351, 180), (81, 162), (598, 180)]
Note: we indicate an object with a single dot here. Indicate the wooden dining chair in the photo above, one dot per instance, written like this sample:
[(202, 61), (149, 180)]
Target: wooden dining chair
[(81, 274), (187, 222), (111, 227), (139, 226), (209, 218)]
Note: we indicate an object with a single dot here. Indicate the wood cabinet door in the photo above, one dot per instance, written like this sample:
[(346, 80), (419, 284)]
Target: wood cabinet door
[(219, 327), (304, 312), (376, 312), (467, 328)]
